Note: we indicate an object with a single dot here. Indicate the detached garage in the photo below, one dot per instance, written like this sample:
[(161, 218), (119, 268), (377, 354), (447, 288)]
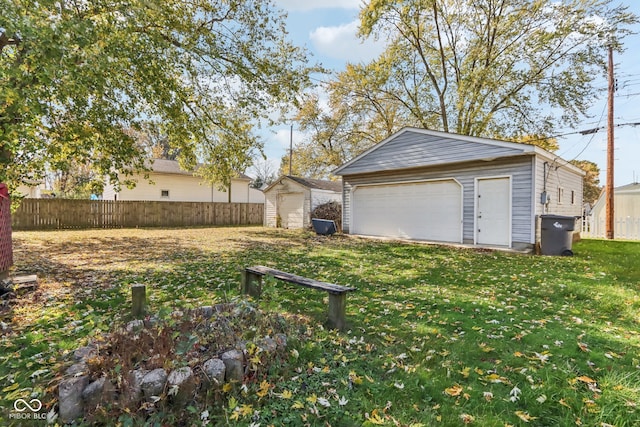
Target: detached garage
[(290, 200), (435, 186)]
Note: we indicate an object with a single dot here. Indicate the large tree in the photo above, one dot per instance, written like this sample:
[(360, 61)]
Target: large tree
[(504, 69), (591, 182), (77, 76)]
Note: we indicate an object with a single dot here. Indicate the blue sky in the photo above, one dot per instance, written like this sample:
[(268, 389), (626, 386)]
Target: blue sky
[(327, 29)]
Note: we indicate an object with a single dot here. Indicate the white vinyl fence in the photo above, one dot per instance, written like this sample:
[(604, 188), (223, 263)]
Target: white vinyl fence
[(623, 228)]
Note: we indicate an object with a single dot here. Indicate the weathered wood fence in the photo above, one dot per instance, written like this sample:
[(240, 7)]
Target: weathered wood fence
[(50, 214)]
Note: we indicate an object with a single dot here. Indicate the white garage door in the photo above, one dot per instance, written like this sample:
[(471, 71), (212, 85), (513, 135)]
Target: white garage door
[(421, 210), (291, 209)]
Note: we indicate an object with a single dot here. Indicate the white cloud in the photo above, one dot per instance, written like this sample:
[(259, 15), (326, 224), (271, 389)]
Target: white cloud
[(342, 42), (283, 137), (306, 5)]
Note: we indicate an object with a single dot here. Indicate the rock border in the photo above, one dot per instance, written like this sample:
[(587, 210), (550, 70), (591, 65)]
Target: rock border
[(78, 394)]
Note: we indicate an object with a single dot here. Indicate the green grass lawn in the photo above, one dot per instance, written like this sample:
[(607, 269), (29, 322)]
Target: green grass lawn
[(438, 336)]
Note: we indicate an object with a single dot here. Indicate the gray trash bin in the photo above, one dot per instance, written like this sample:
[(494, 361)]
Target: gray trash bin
[(556, 237)]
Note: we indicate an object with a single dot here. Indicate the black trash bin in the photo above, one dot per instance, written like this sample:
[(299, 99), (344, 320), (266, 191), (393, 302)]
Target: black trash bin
[(556, 237)]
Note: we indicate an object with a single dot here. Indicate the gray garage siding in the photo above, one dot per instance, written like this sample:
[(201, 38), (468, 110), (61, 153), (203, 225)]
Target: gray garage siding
[(558, 176), (419, 149), (519, 169)]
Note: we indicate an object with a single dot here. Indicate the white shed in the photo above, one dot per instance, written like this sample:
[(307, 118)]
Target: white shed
[(290, 200)]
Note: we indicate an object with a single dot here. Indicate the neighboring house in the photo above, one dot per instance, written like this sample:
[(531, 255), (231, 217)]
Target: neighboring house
[(29, 191), (290, 200), (171, 183), (436, 186), (626, 213)]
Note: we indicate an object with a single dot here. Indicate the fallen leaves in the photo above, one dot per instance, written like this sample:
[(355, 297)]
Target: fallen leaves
[(524, 416), (482, 326), (454, 390)]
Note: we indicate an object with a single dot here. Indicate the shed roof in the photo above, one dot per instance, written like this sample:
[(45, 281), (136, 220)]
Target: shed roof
[(634, 187), (173, 167), (317, 184), (414, 147)]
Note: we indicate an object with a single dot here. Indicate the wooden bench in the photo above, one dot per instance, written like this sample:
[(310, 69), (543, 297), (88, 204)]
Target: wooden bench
[(252, 285)]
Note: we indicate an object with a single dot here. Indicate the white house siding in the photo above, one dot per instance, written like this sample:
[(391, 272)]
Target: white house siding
[(255, 195), (320, 197), (519, 169), (29, 192), (181, 188), (270, 206), (109, 192)]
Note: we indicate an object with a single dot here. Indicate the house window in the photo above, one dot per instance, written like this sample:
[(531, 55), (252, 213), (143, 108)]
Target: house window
[(164, 194), (560, 195), (573, 197)]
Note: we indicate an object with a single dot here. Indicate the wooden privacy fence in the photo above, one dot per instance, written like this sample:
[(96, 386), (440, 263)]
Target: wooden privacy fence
[(50, 214)]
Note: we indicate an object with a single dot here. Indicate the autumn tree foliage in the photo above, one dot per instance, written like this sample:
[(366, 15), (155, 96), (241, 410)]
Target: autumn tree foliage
[(505, 69), (78, 76), (591, 181)]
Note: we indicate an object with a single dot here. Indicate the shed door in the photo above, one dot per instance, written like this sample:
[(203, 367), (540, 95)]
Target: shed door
[(420, 210), (291, 209), (493, 211)]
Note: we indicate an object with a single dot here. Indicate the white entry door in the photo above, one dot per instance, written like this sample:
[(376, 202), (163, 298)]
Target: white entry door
[(493, 211)]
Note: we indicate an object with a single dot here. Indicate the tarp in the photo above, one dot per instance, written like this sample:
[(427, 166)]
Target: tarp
[(6, 249)]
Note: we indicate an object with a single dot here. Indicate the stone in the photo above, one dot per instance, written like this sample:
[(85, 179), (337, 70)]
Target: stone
[(268, 345), (281, 341), (204, 311), (184, 379), (134, 386), (99, 391), (84, 353), (77, 369), (233, 363), (134, 325), (153, 383), (245, 311), (224, 308), (180, 376), (214, 370), (70, 403)]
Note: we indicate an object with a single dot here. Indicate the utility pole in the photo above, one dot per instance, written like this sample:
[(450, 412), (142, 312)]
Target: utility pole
[(290, 149), (609, 186)]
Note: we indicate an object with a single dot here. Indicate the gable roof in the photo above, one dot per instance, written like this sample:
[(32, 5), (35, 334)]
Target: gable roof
[(628, 189), (413, 147), (173, 167), (317, 184)]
